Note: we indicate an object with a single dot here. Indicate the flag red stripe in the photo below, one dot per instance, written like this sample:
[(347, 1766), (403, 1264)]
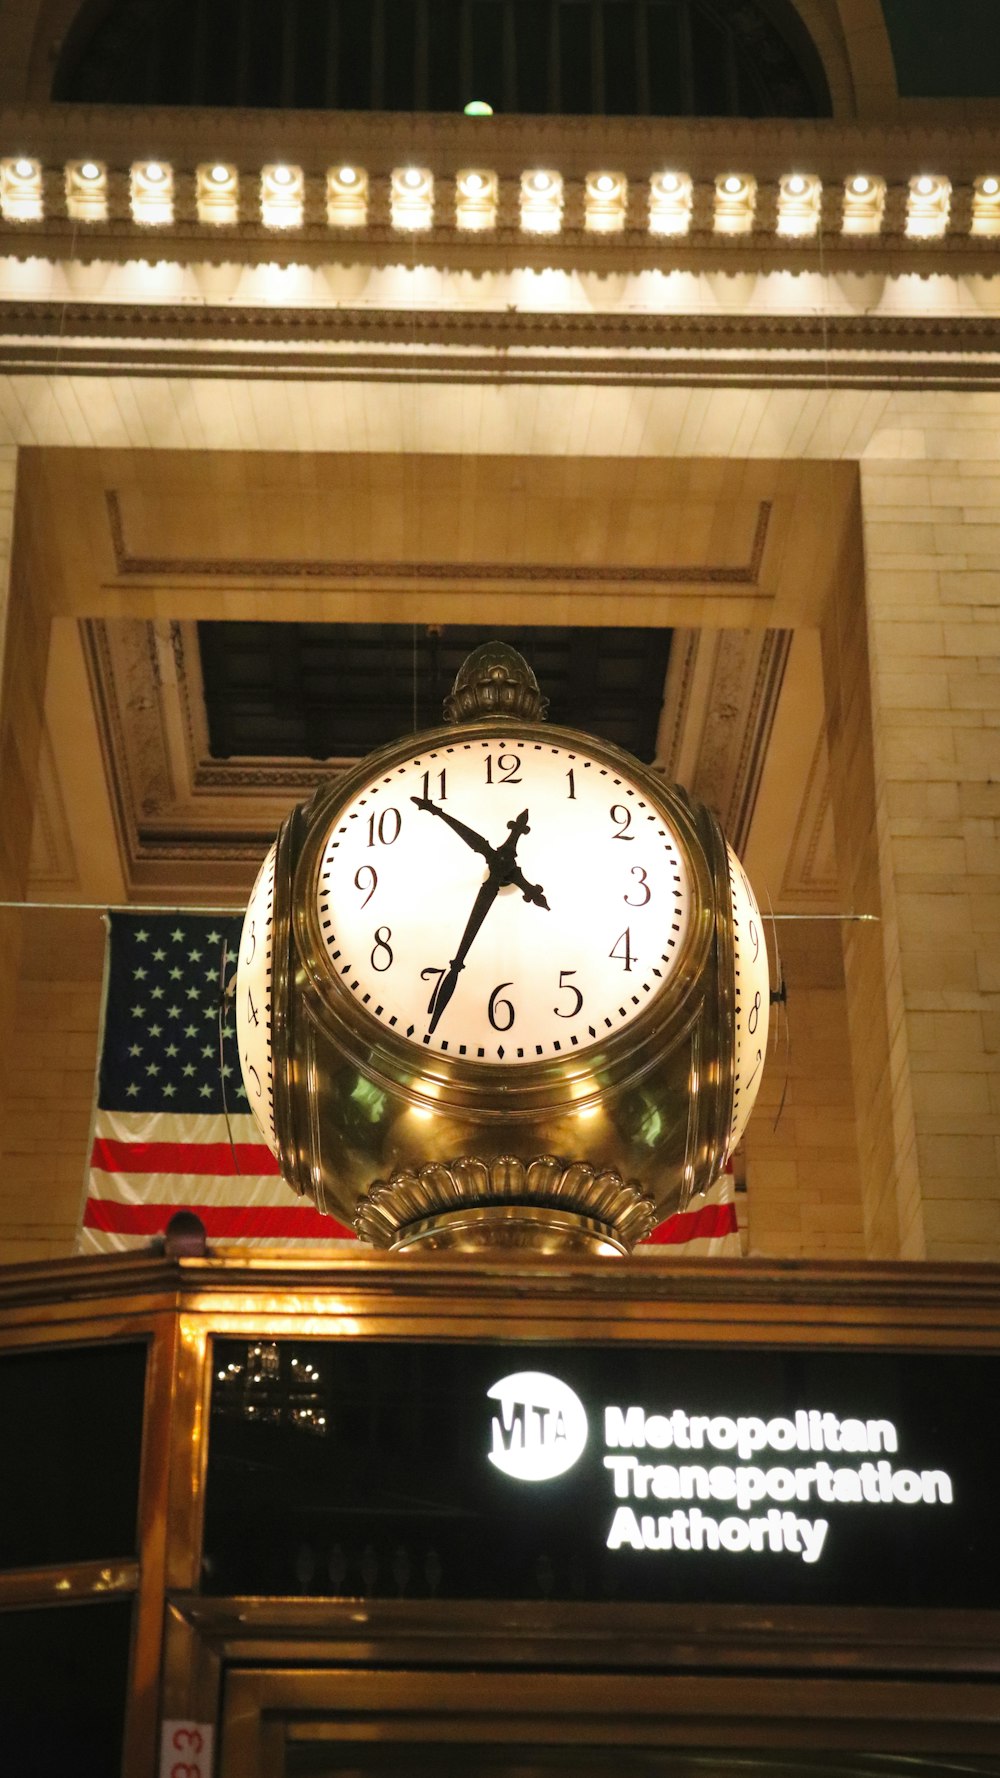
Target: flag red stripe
[(223, 1159), (221, 1221), (711, 1221)]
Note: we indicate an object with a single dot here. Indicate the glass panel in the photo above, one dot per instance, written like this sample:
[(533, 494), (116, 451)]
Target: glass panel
[(70, 1455), (359, 1469), (64, 1689)]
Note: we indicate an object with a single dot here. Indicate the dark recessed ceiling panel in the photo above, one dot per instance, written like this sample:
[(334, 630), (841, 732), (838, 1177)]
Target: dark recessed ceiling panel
[(660, 58), (335, 691)]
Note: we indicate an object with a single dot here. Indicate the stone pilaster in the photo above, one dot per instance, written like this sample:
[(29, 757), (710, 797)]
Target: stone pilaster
[(931, 511)]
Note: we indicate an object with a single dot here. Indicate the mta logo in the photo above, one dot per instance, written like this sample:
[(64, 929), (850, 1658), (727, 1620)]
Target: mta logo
[(539, 1426)]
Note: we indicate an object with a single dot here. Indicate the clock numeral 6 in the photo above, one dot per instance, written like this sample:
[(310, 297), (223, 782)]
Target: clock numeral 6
[(568, 987), (382, 936), (501, 1011)]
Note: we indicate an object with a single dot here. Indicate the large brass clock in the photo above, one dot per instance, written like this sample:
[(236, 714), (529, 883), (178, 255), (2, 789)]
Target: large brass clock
[(501, 983)]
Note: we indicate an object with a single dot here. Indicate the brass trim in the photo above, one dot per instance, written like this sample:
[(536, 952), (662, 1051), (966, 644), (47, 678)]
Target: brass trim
[(109, 1296), (151, 1530), (63, 1581), (542, 1228), (647, 1710), (484, 1193)]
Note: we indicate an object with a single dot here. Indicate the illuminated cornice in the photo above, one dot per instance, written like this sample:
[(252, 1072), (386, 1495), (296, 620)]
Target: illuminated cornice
[(779, 189)]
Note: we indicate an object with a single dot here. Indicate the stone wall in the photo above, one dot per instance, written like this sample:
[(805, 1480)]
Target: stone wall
[(804, 1197), (50, 1085), (931, 502)]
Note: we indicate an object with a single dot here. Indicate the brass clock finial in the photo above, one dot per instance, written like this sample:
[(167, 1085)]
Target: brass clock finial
[(495, 681)]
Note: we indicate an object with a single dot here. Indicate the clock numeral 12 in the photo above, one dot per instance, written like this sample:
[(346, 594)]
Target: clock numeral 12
[(508, 766)]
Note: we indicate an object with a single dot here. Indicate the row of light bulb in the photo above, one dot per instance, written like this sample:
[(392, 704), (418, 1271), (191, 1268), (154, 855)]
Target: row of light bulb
[(542, 197)]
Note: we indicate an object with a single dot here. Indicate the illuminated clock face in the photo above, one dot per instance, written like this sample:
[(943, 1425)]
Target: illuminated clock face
[(752, 998), (503, 899), (253, 1000)]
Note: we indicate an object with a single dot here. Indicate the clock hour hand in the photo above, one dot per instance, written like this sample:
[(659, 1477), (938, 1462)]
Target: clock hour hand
[(510, 871), (446, 986), (468, 834)]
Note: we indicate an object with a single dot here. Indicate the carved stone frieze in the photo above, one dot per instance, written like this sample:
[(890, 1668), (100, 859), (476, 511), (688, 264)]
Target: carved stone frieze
[(716, 723), (811, 868)]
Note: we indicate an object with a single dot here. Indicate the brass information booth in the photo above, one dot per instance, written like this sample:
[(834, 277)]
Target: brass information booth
[(325, 1552)]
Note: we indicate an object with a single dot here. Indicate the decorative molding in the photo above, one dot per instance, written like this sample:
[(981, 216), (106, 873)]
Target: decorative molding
[(721, 759), (52, 863), (811, 869), (663, 336), (441, 1188), (278, 568), (756, 734), (684, 646)]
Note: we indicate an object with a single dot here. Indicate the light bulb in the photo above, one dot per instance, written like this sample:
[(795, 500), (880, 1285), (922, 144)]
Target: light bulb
[(154, 172), (282, 175), (925, 186), (90, 170), (24, 168), (412, 177), (990, 187), (796, 185), (541, 182), (669, 181), (861, 184), (733, 184), (474, 182), (220, 174), (605, 182), (347, 176)]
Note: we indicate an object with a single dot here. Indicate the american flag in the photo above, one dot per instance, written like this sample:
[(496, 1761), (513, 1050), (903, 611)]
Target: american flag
[(172, 1129)]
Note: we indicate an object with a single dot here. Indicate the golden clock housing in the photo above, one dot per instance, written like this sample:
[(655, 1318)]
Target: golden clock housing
[(501, 983)]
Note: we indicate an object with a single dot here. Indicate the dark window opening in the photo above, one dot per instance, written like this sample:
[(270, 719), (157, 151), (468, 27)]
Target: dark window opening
[(708, 58), (335, 691)]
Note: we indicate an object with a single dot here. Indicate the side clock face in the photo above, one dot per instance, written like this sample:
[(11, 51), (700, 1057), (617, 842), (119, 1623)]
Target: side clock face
[(503, 899), (752, 997)]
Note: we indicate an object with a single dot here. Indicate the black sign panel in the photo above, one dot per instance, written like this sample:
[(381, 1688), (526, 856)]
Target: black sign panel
[(363, 1469)]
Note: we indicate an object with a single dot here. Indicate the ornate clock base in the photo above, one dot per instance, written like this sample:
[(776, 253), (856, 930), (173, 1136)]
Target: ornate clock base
[(508, 1226), (549, 1204)]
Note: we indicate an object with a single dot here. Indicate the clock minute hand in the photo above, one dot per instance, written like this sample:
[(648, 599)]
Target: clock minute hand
[(468, 834), (446, 986)]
